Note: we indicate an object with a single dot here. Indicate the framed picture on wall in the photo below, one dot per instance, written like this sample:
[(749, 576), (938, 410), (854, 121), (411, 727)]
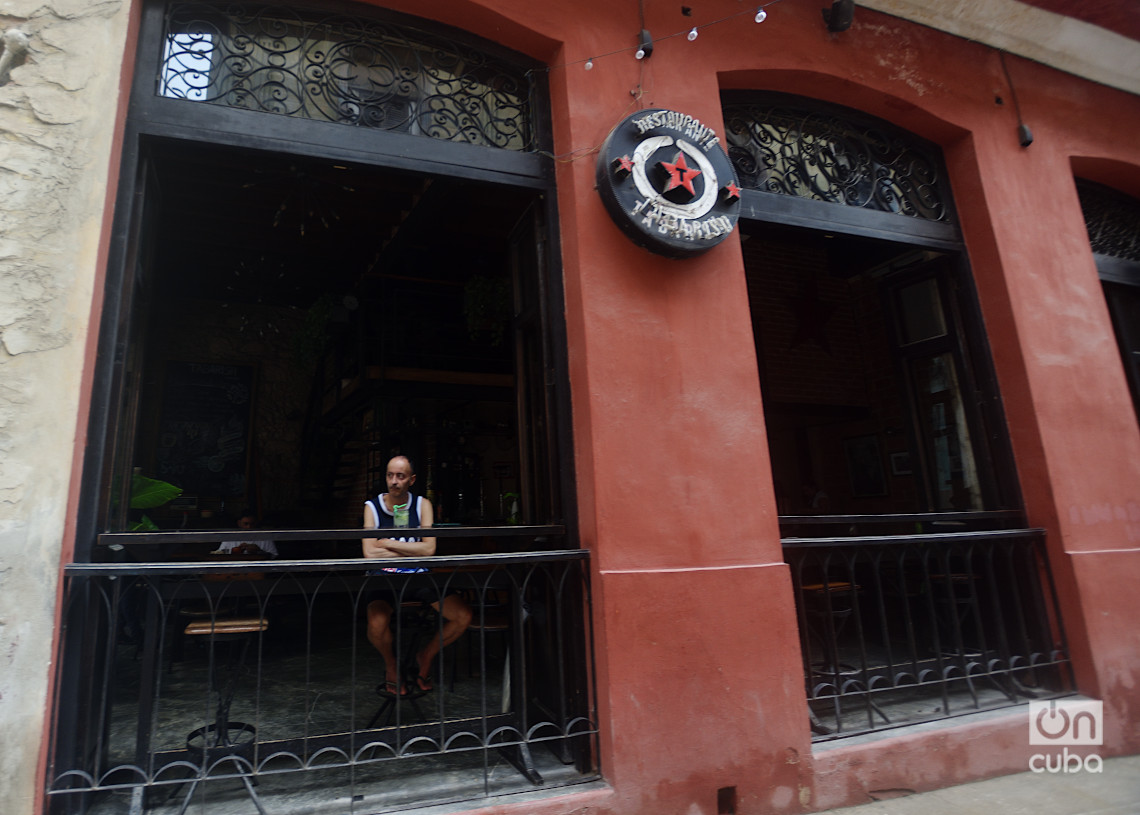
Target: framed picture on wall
[(900, 463), (865, 467)]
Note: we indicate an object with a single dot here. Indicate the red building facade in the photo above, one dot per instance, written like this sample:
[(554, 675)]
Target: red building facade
[(692, 416)]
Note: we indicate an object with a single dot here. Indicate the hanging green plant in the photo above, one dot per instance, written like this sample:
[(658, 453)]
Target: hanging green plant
[(149, 493)]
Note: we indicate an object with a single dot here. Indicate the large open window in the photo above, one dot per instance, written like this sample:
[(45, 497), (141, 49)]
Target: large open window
[(293, 299), (869, 387), (298, 321), (920, 593)]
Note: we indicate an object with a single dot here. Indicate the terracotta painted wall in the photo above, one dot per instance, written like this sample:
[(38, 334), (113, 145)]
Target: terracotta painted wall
[(666, 412), (1076, 435), (697, 652)]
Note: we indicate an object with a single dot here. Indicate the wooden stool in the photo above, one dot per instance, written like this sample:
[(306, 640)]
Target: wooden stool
[(831, 604), (225, 739)]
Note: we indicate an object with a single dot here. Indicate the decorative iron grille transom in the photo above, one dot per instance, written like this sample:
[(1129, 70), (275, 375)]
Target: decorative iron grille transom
[(1112, 219), (836, 156), (344, 69)]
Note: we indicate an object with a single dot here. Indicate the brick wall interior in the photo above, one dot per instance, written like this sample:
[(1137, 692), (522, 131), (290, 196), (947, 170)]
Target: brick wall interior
[(827, 373)]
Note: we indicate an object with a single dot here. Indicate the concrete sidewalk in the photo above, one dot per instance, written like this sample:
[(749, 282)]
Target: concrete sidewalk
[(1116, 791)]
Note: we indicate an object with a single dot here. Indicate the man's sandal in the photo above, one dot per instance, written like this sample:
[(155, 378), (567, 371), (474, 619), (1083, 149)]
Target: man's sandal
[(391, 688)]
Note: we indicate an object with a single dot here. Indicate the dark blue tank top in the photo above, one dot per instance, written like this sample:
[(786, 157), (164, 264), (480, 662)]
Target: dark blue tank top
[(386, 521)]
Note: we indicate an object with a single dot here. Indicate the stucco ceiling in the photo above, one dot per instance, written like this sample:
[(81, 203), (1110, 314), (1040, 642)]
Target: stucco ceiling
[(1095, 39)]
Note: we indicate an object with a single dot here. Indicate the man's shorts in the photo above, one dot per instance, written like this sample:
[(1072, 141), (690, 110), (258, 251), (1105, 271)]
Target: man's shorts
[(396, 589)]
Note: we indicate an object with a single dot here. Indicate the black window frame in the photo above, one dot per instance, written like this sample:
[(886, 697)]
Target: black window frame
[(969, 340), (151, 116), (854, 577)]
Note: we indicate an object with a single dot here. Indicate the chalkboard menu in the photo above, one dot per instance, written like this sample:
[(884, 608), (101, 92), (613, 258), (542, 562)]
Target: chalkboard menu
[(203, 436)]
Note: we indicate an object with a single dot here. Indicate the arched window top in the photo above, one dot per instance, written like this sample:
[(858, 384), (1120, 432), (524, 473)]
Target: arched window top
[(1112, 219), (366, 71), (792, 146)]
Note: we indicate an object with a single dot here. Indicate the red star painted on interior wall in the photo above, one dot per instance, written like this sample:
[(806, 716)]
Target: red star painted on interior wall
[(680, 175)]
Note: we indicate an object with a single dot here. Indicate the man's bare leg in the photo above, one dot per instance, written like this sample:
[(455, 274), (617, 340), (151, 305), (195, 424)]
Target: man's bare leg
[(456, 616), (380, 635)]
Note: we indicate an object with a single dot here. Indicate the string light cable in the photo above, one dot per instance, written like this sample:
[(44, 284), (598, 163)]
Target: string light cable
[(759, 15), (1024, 134), (641, 51), (585, 152)]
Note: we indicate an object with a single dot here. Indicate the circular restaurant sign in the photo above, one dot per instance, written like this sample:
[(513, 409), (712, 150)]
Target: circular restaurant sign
[(668, 184)]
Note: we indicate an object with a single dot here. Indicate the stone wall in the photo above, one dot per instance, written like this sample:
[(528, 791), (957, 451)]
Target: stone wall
[(57, 118)]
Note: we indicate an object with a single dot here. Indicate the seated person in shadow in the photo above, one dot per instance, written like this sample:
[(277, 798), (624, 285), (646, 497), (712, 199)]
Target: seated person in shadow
[(816, 499), (247, 520), (381, 513)]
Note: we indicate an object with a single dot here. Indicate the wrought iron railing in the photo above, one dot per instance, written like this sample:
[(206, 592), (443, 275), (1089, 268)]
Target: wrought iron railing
[(783, 145), (223, 681), (1112, 219), (901, 629), (366, 71)]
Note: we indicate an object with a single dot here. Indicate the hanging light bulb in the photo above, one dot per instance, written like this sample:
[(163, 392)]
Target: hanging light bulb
[(640, 54), (590, 64), (692, 33), (761, 15)]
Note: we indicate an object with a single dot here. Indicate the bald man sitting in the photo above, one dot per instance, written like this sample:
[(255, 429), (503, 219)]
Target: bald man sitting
[(382, 513)]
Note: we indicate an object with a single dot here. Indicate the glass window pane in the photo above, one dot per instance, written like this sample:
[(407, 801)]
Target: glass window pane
[(920, 312), (186, 66), (348, 70), (945, 436)]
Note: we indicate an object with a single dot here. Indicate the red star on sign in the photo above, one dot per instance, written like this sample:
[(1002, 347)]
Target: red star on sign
[(622, 166), (731, 191), (680, 175)]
